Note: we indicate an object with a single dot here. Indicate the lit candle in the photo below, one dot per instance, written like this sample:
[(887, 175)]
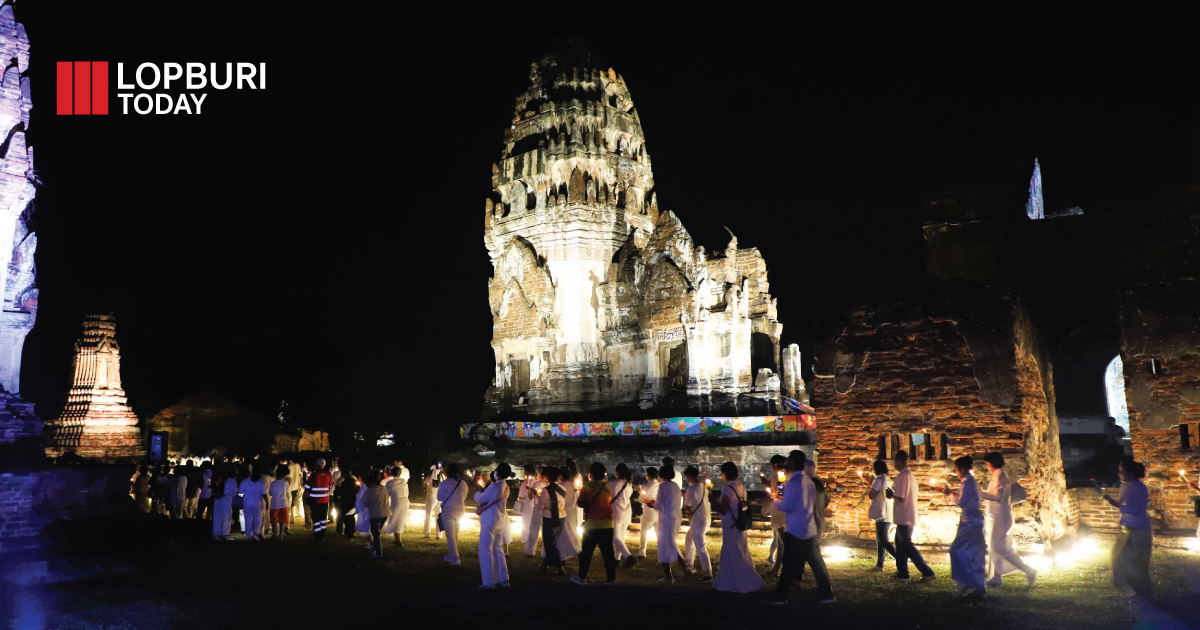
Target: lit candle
[(860, 473), (708, 483), (480, 482), (578, 482), (1182, 473), (781, 476)]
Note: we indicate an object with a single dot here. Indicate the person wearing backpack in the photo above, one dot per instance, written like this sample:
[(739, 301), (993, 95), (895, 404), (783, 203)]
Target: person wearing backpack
[(1001, 559), (736, 573)]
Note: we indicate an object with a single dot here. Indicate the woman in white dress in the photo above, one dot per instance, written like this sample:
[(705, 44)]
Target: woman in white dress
[(569, 544), (1002, 559), (451, 495), (699, 514), (622, 509), (225, 488), (362, 521), (397, 489), (968, 551), (493, 520), (668, 504), (736, 573)]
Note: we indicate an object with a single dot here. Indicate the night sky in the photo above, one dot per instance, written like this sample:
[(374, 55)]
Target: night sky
[(321, 241)]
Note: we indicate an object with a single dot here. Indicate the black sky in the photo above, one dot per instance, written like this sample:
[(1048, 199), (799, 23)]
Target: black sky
[(321, 241)]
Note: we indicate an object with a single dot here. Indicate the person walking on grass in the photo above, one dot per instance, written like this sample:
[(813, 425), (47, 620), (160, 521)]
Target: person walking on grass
[(531, 516), (595, 498), (778, 519), (1002, 559), (280, 496), (378, 511), (493, 517), (968, 562), (647, 492), (1131, 551), (880, 512), (552, 506), (344, 497), (668, 502), (224, 489), (904, 511), (736, 573), (451, 495), (698, 511), (318, 488), (253, 490), (397, 489), (622, 509), (432, 506), (799, 542)]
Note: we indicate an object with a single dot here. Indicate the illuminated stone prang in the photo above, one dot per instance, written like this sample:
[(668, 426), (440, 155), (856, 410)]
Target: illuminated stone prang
[(96, 422)]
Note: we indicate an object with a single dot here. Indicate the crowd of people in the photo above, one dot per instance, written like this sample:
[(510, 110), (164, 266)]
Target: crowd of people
[(567, 514)]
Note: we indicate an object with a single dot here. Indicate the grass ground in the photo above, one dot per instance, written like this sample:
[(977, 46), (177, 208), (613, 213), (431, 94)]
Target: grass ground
[(181, 579)]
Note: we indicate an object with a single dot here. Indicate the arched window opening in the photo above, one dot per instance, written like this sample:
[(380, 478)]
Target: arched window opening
[(1114, 390)]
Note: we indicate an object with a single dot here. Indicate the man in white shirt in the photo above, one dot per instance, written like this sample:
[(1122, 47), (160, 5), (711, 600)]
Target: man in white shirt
[(904, 510), (296, 482), (799, 542)]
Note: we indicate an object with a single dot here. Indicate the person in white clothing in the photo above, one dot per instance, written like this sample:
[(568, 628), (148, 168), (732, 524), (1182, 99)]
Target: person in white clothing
[(531, 516), (668, 503), (880, 511), (253, 490), (224, 491), (296, 478), (432, 507), (397, 489), (621, 490), (904, 511), (699, 514), (493, 518), (204, 506), (178, 492), (778, 519), (569, 544), (1002, 559), (451, 496), (736, 574), (647, 492), (280, 493)]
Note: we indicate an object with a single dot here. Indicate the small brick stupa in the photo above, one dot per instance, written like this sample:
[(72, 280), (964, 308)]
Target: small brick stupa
[(96, 422)]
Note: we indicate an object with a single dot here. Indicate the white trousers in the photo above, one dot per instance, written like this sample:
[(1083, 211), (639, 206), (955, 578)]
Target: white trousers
[(533, 530), (432, 508), (1002, 559), (492, 563), (621, 520), (668, 547), (222, 516), (253, 518), (451, 524), (649, 524), (395, 523), (694, 546)]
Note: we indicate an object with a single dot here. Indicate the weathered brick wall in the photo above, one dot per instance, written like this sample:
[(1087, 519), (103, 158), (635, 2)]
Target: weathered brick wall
[(1091, 510), (914, 384), (1162, 385), (31, 499)]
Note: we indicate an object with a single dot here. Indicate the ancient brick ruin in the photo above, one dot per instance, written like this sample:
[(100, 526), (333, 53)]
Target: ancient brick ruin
[(17, 179), (939, 385), (96, 422), (598, 298)]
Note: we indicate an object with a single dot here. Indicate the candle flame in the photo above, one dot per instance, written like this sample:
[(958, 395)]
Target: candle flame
[(1182, 473), (860, 473), (780, 475)]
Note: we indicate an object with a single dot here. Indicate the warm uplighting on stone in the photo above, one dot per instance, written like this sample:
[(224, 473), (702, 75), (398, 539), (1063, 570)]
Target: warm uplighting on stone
[(96, 422)]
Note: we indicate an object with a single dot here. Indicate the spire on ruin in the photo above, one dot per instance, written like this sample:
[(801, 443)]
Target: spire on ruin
[(1035, 207)]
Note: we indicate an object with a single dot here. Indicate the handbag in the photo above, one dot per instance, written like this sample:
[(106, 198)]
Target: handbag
[(742, 519), (441, 525)]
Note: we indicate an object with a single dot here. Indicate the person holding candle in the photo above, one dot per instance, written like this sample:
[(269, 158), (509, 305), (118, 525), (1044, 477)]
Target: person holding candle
[(968, 564), (568, 541), (699, 514), (647, 492), (451, 495), (622, 509), (378, 511), (397, 489), (1131, 552), (668, 503), (432, 507), (595, 498), (880, 511), (798, 501), (778, 518), (736, 573), (1002, 559), (904, 511), (531, 517), (493, 517), (552, 505)]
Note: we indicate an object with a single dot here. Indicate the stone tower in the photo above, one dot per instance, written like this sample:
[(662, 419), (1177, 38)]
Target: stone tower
[(16, 195), (96, 422), (599, 299)]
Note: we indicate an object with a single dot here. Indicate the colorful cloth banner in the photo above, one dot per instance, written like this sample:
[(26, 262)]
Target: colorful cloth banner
[(659, 427)]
